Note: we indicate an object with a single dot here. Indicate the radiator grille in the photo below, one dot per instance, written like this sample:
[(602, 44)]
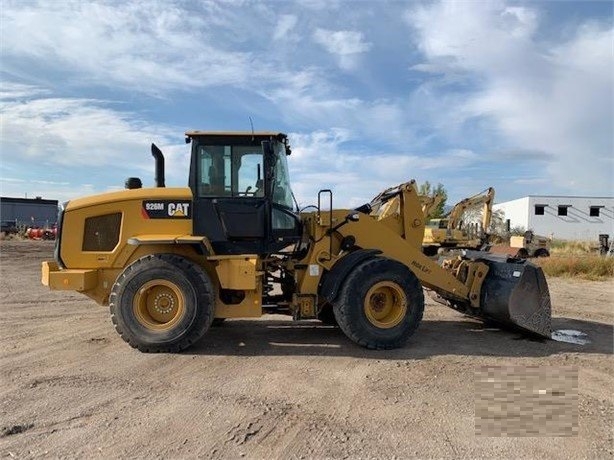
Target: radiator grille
[(102, 232)]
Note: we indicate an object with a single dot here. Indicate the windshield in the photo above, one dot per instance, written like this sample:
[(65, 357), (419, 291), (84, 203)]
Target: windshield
[(282, 193)]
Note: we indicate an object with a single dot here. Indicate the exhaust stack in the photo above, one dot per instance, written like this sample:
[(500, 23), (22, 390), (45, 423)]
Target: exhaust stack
[(157, 154)]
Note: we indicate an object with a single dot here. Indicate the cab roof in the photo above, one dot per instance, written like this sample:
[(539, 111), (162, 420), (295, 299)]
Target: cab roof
[(196, 133)]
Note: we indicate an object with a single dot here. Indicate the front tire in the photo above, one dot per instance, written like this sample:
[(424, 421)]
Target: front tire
[(327, 315), (162, 303), (380, 305)]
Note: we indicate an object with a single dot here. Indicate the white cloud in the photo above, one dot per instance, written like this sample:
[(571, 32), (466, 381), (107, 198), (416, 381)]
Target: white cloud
[(79, 138), (307, 99), (341, 42), (93, 138), (491, 79), (12, 90), (285, 25), (325, 159), (164, 47), (71, 131), (150, 48), (61, 191), (347, 45), (555, 99)]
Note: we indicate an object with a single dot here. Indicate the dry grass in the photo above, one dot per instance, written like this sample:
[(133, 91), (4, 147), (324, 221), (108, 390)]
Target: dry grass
[(589, 267), (11, 236), (563, 247)]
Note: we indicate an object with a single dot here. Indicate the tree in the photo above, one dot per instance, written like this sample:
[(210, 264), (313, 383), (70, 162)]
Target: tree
[(428, 190), (498, 224)]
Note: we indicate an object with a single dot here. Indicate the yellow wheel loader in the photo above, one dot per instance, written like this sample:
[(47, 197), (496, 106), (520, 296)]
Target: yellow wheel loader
[(168, 261)]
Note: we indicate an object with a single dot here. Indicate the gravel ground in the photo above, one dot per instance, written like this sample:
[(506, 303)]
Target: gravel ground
[(273, 388)]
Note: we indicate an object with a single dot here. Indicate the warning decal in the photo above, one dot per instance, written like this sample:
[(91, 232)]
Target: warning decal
[(166, 209)]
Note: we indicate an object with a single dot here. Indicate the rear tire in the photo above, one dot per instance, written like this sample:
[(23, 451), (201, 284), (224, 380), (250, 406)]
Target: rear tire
[(162, 303), (380, 305)]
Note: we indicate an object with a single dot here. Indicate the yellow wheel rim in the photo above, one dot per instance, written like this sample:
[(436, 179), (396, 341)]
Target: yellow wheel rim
[(385, 304), (159, 305)]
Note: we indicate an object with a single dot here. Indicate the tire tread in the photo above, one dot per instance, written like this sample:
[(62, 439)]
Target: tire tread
[(203, 291), (362, 273)]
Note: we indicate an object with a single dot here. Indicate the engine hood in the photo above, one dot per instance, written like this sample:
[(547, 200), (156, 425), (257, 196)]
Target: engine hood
[(154, 193)]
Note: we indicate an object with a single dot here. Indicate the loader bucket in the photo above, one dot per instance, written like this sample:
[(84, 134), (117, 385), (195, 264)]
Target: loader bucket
[(515, 293)]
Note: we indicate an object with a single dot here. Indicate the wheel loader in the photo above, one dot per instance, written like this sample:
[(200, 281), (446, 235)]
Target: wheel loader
[(233, 244)]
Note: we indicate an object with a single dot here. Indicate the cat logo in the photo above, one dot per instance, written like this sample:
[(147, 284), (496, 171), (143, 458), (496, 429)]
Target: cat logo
[(179, 209), (166, 209)]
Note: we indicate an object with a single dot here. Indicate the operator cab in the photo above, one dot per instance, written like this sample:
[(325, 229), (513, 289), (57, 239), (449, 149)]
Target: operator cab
[(240, 184)]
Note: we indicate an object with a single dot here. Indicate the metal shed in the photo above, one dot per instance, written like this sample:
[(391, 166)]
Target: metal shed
[(29, 211)]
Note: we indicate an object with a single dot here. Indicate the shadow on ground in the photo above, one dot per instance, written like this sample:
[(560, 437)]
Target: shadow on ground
[(460, 337)]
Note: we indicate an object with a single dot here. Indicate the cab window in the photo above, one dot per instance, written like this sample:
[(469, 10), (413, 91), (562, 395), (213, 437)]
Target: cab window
[(230, 170)]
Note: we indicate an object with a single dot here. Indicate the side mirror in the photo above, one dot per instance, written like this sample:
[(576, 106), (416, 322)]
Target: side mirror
[(353, 217)]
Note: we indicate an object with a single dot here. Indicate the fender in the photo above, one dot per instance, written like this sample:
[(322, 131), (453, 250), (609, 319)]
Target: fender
[(201, 243), (332, 280)]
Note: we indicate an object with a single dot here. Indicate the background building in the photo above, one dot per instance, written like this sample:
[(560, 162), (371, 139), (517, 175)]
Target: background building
[(565, 217), (29, 211)]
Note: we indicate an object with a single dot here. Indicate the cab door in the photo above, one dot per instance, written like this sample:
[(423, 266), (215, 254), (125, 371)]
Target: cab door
[(230, 207), (284, 223)]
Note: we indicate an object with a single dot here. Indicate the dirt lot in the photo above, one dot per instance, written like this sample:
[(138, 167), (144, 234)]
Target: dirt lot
[(273, 388)]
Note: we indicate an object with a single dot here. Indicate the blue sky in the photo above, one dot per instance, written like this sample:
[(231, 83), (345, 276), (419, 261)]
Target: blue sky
[(515, 95)]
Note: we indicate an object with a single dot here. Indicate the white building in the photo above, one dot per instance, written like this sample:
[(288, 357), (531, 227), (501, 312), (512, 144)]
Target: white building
[(565, 217)]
